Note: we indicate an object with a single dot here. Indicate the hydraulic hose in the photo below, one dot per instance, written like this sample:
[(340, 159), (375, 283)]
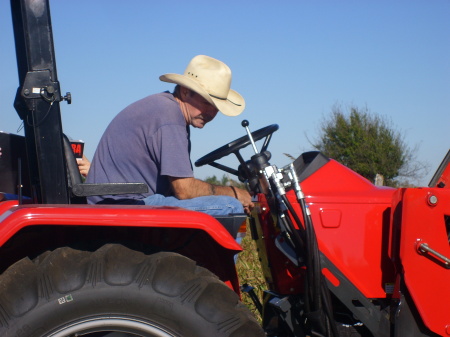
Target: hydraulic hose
[(317, 302), (313, 265), (298, 238), (317, 294)]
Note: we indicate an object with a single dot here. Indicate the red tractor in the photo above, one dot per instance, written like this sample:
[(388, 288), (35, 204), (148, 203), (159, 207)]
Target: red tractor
[(341, 257)]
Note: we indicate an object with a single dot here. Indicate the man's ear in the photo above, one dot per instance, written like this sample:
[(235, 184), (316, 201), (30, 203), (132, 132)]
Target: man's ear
[(185, 92)]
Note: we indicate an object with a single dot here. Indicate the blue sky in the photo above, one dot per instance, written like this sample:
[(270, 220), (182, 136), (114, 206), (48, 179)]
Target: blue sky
[(291, 60)]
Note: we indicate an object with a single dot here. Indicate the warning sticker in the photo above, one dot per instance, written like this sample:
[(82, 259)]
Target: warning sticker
[(389, 288)]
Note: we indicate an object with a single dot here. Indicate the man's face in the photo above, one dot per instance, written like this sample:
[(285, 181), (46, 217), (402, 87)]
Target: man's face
[(200, 110)]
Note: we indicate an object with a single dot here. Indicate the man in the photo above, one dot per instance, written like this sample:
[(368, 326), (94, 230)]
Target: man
[(149, 142)]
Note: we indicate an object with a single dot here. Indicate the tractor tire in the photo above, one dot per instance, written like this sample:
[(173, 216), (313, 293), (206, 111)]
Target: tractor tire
[(116, 291)]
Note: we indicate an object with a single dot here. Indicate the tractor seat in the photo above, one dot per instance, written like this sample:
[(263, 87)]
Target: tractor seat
[(81, 190)]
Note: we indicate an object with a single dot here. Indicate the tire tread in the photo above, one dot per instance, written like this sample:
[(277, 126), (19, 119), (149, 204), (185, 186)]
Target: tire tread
[(168, 280)]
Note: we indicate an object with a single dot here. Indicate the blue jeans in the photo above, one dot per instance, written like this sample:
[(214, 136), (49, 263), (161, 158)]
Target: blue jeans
[(211, 204)]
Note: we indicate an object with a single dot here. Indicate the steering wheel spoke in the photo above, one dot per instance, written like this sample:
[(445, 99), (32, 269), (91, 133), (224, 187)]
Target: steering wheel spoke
[(266, 143), (224, 168), (239, 157)]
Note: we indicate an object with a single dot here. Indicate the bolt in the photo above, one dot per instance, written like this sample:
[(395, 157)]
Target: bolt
[(432, 200), (50, 90), (26, 92)]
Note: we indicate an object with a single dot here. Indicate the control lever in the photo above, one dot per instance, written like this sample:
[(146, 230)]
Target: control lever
[(245, 124)]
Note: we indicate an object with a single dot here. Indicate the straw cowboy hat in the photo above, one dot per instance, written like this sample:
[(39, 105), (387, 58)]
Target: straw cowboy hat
[(211, 79)]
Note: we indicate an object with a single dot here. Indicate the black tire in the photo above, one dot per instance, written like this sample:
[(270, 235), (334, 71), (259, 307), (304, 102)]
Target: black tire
[(69, 292)]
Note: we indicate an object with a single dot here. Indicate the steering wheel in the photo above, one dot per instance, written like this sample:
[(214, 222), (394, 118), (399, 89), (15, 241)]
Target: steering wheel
[(235, 146)]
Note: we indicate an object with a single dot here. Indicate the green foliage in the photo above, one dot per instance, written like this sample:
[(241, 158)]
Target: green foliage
[(224, 181), (367, 143)]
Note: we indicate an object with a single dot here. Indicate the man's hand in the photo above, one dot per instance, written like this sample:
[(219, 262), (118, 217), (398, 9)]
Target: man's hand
[(188, 188), (83, 166), (244, 197)]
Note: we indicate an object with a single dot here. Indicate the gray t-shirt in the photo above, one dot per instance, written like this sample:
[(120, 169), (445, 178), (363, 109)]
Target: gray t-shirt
[(146, 142)]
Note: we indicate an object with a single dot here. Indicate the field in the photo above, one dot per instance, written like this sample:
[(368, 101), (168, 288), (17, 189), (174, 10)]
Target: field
[(249, 272)]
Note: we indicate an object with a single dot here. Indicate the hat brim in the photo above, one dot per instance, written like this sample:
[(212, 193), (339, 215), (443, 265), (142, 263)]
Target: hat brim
[(232, 106)]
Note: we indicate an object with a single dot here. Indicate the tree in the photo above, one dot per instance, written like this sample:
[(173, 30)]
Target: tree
[(367, 143), (225, 181)]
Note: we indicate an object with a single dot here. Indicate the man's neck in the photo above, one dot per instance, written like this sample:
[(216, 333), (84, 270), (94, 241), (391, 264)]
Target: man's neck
[(184, 110)]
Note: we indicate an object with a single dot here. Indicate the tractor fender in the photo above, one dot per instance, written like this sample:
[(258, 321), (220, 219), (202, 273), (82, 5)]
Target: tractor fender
[(205, 239), (14, 217)]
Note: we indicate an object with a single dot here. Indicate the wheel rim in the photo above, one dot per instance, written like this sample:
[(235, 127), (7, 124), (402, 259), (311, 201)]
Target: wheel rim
[(111, 327)]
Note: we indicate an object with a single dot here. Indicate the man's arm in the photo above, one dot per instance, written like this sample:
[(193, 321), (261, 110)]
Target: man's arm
[(188, 188)]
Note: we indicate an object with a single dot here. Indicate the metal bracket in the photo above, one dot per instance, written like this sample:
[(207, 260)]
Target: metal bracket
[(39, 85), (251, 292), (283, 245)]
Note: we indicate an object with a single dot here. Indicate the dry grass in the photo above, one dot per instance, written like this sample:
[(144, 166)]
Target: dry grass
[(249, 271)]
